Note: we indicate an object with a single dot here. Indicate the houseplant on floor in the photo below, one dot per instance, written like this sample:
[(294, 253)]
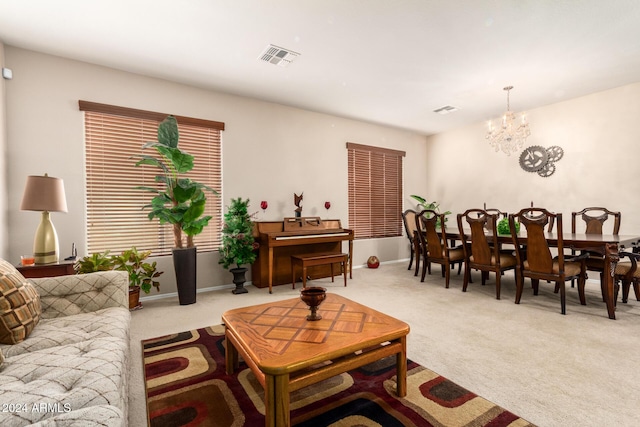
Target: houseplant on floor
[(141, 273), (238, 244), (180, 202)]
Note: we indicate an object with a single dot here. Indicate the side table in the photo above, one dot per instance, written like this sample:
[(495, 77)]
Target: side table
[(47, 270)]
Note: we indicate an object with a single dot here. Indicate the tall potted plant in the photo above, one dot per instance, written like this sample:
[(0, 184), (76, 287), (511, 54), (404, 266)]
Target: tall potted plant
[(179, 201), (238, 243)]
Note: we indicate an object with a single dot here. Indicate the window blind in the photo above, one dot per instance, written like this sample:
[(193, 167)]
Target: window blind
[(375, 191), (114, 137)]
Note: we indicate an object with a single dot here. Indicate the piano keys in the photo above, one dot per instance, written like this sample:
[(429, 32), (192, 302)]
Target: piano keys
[(279, 240)]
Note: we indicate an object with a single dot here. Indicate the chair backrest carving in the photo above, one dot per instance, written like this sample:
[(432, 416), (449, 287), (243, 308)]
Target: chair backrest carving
[(426, 223), (409, 219), (497, 212), (479, 221), (594, 219), (538, 252)]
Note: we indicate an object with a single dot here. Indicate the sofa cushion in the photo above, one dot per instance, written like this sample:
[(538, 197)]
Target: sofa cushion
[(20, 308), (66, 378), (109, 322)]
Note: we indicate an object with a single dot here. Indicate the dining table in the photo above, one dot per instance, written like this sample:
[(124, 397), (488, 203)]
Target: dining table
[(609, 245)]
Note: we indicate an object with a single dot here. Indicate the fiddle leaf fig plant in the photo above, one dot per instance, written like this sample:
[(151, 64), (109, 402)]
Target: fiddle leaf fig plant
[(179, 201)]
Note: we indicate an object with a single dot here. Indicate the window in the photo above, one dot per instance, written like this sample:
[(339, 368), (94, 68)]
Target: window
[(115, 218), (375, 191)]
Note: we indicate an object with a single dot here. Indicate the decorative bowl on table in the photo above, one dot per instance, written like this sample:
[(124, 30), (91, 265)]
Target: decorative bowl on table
[(313, 297)]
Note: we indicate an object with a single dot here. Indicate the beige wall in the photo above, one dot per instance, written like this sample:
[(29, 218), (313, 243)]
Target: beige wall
[(601, 140), (270, 151), (3, 166)]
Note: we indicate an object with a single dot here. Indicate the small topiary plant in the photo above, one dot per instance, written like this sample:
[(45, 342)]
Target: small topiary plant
[(503, 226)]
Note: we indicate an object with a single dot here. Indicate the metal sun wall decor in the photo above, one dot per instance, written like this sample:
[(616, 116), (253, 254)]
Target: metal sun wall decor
[(540, 160)]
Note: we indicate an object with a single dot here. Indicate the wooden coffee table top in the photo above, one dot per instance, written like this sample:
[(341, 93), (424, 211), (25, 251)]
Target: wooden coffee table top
[(279, 339)]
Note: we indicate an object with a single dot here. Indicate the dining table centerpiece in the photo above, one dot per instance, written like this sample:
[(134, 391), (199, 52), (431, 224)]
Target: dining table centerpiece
[(503, 227)]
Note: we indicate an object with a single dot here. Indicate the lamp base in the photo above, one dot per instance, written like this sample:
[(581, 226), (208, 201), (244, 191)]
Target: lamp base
[(45, 245)]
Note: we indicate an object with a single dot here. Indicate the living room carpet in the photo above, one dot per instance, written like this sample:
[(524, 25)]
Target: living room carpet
[(186, 385)]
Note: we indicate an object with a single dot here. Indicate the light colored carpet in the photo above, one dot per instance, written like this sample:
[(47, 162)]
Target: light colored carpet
[(575, 370)]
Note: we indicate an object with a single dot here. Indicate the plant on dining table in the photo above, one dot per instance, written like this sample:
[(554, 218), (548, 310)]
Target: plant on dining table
[(503, 226)]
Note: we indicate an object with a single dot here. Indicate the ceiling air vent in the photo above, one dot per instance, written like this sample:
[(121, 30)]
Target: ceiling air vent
[(446, 109), (278, 56)]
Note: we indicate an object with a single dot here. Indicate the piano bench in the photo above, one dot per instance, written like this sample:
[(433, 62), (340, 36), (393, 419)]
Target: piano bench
[(320, 258)]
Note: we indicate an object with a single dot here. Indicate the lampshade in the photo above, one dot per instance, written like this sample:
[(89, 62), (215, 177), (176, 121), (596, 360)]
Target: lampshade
[(45, 194)]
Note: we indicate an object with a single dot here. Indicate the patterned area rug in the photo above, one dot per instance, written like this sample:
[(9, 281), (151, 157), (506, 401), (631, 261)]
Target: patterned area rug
[(187, 385)]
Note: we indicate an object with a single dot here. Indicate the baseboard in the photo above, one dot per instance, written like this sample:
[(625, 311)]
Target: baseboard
[(231, 286), (198, 291)]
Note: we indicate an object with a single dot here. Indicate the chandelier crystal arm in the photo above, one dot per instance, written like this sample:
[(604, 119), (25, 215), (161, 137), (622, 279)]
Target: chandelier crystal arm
[(508, 136)]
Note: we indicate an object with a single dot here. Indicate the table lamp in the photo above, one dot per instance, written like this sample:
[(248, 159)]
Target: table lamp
[(45, 194)]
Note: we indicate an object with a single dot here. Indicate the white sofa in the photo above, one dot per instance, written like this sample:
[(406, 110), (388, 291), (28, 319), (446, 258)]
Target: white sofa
[(72, 368)]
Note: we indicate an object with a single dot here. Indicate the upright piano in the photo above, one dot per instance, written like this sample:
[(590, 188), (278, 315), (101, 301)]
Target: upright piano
[(279, 240)]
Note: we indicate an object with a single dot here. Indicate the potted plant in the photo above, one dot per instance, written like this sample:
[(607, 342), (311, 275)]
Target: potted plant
[(141, 274), (98, 261), (422, 202), (238, 245), (180, 202), (504, 228)]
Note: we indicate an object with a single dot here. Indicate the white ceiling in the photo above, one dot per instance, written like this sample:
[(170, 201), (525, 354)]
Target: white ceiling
[(382, 61)]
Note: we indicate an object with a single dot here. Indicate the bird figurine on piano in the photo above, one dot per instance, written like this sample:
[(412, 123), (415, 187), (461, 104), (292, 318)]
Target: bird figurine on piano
[(296, 201)]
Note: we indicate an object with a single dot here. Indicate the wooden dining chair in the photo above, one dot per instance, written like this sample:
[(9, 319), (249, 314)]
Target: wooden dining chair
[(433, 244), (481, 253), (493, 211), (538, 262), (628, 273), (409, 220), (594, 219)]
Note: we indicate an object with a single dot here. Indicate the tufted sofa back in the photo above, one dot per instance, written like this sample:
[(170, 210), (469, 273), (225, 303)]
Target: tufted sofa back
[(82, 293)]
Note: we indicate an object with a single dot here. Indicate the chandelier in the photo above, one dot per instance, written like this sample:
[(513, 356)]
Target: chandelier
[(508, 136)]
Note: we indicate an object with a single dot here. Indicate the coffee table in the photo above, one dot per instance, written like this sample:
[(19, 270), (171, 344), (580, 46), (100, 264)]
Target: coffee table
[(286, 352)]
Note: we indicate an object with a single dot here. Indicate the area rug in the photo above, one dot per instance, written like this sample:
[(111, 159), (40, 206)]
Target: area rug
[(186, 385)]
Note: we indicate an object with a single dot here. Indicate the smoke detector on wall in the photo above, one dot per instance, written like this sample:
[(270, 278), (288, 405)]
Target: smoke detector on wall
[(278, 55)]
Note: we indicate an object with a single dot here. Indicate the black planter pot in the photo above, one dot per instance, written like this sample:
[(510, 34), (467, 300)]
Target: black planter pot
[(239, 279), (184, 264)]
